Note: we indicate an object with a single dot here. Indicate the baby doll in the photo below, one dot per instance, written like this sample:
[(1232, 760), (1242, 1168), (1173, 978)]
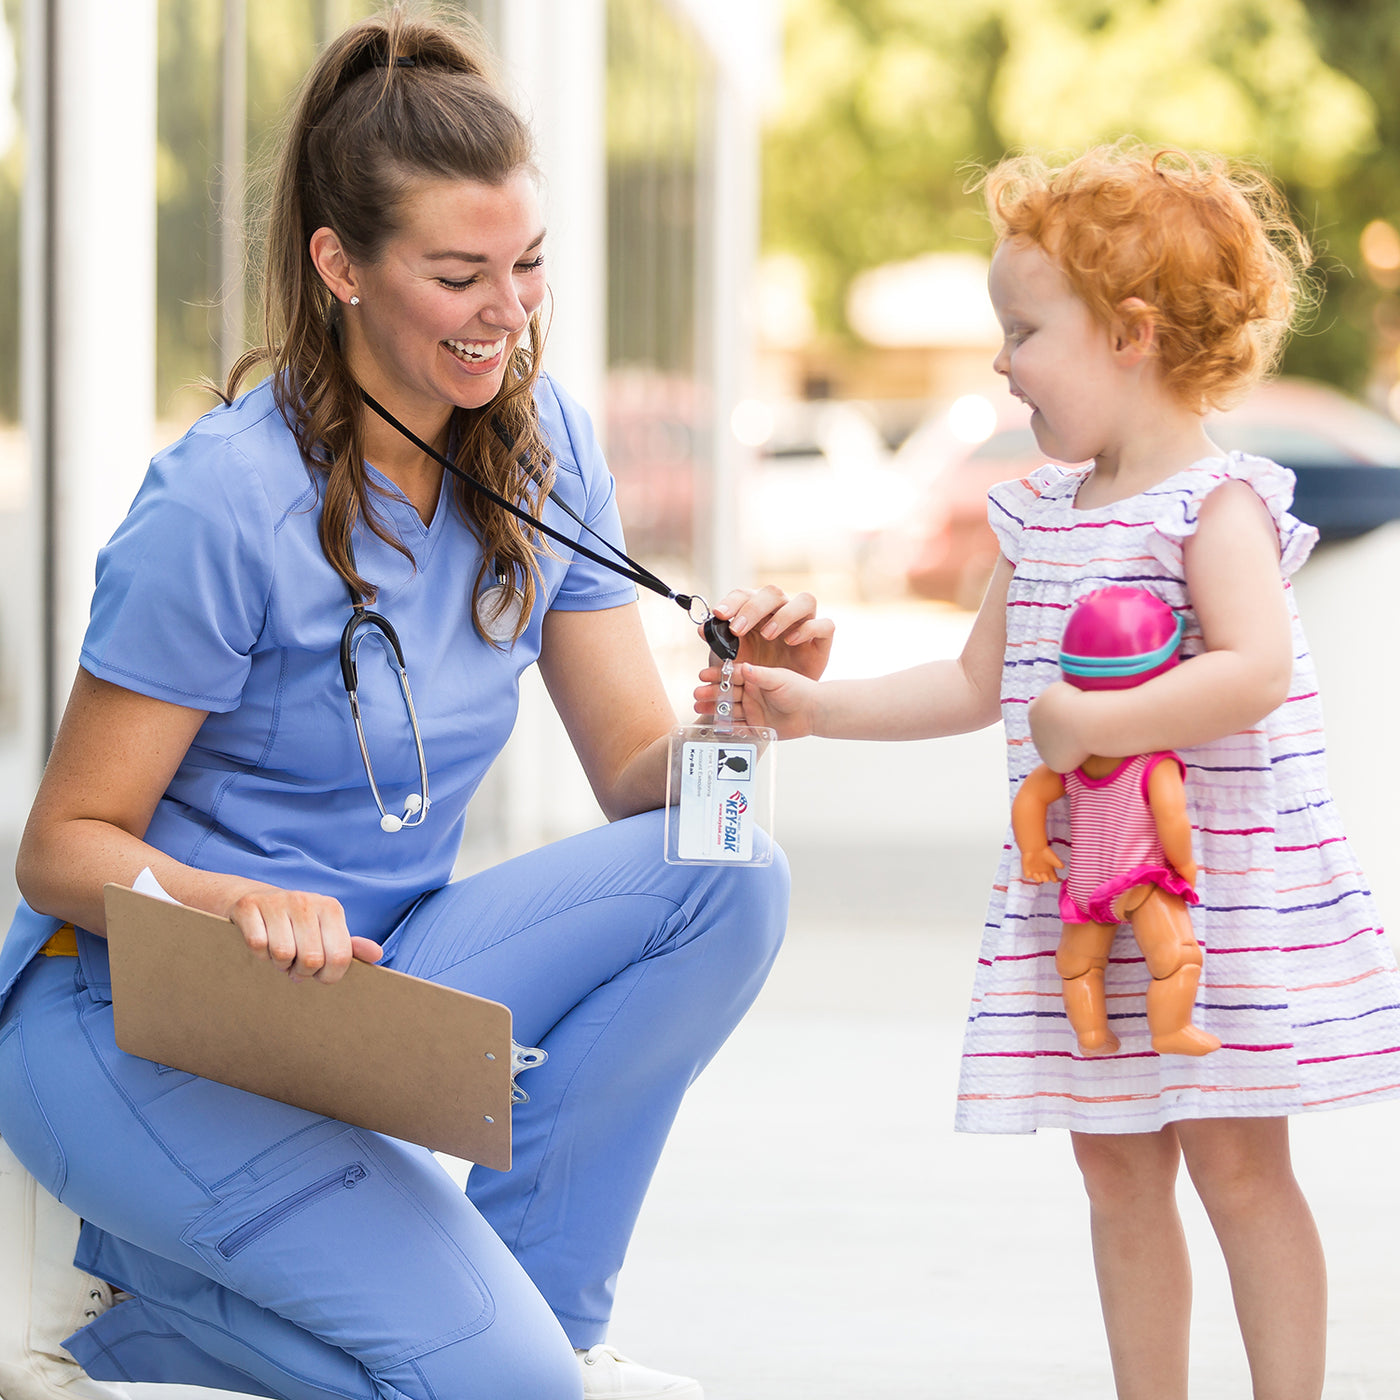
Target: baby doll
[(1130, 837)]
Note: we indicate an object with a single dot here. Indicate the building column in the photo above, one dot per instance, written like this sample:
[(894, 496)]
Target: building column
[(88, 276)]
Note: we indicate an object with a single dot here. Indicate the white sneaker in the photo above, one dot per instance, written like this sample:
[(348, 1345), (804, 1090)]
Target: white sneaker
[(608, 1375), (43, 1298)]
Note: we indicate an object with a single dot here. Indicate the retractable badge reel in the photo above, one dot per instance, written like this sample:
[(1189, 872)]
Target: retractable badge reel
[(719, 785)]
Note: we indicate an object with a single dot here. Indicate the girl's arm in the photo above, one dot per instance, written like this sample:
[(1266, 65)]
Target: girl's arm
[(602, 678), (924, 702), (1166, 796), (1232, 577), (114, 756), (1043, 786)]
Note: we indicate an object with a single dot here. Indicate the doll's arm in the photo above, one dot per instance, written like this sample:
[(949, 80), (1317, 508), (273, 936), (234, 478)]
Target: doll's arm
[(1166, 795), (1232, 575), (1042, 787)]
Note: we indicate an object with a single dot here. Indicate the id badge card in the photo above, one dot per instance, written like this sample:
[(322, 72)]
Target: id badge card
[(719, 796)]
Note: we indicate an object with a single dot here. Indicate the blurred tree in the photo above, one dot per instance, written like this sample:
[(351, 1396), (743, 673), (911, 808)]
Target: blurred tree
[(1362, 39), (887, 103), (187, 144)]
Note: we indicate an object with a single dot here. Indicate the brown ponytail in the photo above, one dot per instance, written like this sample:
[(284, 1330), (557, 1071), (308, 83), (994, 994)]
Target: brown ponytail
[(391, 101)]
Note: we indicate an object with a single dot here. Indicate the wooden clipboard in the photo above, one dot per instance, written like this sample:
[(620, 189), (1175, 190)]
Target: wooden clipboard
[(378, 1049)]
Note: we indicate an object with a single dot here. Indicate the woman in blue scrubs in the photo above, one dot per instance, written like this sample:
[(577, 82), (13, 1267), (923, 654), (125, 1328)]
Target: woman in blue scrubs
[(255, 1246)]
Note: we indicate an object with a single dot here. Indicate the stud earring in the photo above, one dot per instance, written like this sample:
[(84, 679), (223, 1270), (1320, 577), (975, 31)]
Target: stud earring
[(354, 301)]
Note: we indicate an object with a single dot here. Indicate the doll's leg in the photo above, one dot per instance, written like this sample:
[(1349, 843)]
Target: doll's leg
[(1242, 1172), (1080, 960), (1162, 926), (1140, 1258)]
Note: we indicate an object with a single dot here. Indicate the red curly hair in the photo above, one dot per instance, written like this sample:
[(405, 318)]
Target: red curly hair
[(1206, 244)]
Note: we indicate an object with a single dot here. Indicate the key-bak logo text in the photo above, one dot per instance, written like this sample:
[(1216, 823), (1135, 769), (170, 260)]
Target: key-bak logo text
[(735, 805)]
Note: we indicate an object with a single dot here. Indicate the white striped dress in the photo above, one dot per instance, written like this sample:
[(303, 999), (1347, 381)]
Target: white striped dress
[(1299, 982)]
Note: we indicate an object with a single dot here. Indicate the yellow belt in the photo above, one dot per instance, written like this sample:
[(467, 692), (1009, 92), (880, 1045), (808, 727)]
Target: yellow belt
[(64, 944)]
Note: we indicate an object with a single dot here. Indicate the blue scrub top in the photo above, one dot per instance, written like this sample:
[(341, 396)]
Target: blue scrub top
[(214, 594)]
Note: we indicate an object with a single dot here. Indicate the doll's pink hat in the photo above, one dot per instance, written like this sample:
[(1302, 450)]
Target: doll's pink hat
[(1118, 637)]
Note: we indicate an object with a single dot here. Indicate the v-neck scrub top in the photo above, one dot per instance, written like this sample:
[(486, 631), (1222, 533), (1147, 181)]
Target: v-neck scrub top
[(214, 594)]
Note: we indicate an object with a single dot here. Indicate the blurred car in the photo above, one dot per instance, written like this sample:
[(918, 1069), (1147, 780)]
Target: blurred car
[(821, 488), (652, 424), (1346, 458)]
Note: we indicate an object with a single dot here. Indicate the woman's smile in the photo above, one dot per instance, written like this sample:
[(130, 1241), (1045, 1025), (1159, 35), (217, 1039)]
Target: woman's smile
[(477, 356)]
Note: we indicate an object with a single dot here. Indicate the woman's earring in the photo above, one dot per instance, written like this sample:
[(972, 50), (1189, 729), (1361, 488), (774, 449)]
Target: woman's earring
[(354, 301)]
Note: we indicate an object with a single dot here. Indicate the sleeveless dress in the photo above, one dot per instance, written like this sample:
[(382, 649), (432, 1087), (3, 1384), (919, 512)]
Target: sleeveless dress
[(1299, 982)]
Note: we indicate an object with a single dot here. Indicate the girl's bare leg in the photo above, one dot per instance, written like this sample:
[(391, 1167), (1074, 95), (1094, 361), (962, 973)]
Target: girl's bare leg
[(1140, 1258), (1242, 1171)]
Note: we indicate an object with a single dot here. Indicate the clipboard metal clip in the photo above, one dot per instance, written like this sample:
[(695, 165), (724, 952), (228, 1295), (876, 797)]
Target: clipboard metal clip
[(523, 1057)]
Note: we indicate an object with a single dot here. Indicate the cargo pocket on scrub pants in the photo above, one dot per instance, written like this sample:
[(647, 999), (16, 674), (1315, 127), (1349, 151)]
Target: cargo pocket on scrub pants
[(334, 1234), (25, 1125)]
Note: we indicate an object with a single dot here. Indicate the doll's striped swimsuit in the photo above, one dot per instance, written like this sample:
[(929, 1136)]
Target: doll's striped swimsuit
[(1114, 843)]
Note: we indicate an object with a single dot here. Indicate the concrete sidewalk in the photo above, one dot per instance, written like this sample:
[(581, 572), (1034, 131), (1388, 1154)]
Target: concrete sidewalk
[(817, 1231)]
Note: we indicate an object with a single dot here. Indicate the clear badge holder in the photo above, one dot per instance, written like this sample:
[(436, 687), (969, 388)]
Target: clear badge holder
[(719, 789)]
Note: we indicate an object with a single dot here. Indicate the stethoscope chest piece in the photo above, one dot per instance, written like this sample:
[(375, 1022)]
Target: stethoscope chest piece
[(498, 607)]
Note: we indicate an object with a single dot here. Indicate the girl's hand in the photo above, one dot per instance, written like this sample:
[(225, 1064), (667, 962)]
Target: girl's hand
[(775, 630), (1059, 716), (763, 695), (1188, 870), (305, 934), (1039, 867)]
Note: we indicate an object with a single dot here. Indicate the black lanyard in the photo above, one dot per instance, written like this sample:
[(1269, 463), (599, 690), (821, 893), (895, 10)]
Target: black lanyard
[(716, 630)]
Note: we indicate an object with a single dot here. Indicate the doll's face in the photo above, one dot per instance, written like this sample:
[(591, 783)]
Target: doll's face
[(1057, 358)]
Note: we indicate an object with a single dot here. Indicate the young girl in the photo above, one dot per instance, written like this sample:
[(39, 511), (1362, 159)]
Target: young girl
[(1136, 289)]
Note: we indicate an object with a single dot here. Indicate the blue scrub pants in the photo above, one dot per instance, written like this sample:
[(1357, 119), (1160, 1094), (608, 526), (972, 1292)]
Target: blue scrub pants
[(276, 1252)]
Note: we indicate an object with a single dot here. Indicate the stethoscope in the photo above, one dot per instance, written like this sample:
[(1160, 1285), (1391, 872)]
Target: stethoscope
[(364, 625)]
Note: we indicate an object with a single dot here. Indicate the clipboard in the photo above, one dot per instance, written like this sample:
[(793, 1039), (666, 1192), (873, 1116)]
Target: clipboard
[(378, 1049)]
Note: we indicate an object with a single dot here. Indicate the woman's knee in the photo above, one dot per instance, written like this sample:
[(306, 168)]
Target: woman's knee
[(510, 1360), (744, 909)]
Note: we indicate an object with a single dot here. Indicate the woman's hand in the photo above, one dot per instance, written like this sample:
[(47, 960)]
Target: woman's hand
[(1058, 722), (775, 630), (304, 934), (783, 649), (776, 698)]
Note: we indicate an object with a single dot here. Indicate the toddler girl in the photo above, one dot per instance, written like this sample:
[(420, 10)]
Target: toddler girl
[(1137, 289)]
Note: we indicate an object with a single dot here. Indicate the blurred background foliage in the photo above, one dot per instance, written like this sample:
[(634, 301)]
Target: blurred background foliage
[(888, 107)]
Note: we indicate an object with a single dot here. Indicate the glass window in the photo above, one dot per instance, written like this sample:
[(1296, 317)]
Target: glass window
[(218, 120), (660, 84)]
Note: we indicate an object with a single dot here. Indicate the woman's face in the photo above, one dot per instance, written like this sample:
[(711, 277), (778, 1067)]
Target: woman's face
[(450, 296)]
